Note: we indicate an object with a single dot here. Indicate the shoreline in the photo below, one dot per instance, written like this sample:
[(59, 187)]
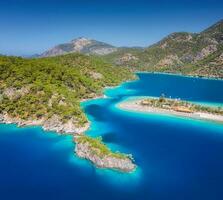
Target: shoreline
[(95, 151), (112, 162), (45, 124), (6, 119), (183, 75), (135, 106), (70, 128)]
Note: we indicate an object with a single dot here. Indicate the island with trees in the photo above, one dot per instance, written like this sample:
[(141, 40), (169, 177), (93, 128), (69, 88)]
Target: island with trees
[(176, 107), (98, 153)]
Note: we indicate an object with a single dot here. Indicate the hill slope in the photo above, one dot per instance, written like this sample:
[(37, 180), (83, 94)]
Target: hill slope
[(48, 91), (181, 52), (191, 53)]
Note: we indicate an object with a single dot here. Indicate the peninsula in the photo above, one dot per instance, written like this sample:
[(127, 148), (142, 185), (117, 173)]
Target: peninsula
[(47, 92), (175, 107)]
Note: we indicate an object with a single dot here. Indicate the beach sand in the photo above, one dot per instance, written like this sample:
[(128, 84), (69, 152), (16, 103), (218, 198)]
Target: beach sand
[(134, 105)]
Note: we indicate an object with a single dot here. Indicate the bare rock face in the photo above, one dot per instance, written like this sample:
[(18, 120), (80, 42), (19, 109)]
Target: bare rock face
[(126, 58), (81, 45), (205, 52), (169, 60), (211, 41), (13, 93), (83, 150), (163, 45), (1, 118), (7, 119), (96, 75), (187, 58), (52, 124), (55, 124), (10, 93)]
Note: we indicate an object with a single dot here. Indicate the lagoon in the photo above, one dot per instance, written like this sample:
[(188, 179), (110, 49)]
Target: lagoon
[(177, 158)]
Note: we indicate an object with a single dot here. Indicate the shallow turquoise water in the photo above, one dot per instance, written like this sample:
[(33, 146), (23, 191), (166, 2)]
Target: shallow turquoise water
[(177, 158)]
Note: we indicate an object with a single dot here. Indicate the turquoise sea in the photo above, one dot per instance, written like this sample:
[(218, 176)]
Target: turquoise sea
[(177, 158)]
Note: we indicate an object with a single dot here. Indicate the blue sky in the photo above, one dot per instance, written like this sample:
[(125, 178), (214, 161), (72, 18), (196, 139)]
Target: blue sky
[(32, 26)]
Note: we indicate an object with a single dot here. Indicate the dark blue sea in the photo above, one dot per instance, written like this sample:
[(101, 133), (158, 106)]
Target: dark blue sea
[(177, 158)]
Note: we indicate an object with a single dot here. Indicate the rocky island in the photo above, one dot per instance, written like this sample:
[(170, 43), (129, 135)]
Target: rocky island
[(176, 107), (98, 153)]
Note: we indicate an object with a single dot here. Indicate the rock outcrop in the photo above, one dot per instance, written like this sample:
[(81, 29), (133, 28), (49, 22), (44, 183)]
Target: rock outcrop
[(103, 160), (52, 124), (205, 52), (169, 60), (55, 124), (127, 57), (13, 93)]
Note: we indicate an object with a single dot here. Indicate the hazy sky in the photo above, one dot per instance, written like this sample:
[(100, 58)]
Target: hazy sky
[(32, 26)]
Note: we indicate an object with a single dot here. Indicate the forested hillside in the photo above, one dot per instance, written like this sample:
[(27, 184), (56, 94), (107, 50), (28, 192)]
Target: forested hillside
[(52, 88)]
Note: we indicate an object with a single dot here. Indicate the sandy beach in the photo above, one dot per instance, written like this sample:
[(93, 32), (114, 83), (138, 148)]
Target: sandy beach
[(134, 105)]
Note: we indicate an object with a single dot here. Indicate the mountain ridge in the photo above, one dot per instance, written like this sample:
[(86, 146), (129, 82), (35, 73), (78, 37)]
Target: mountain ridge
[(80, 45), (178, 52)]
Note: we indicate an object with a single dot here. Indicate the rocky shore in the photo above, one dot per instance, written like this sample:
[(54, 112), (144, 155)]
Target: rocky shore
[(52, 124), (117, 161), (121, 162)]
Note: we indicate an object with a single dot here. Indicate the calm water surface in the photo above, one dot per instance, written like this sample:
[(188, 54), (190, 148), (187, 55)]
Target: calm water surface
[(177, 158)]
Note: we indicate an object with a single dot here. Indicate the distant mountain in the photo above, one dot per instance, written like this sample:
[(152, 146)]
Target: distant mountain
[(184, 47), (195, 53), (180, 52), (81, 45)]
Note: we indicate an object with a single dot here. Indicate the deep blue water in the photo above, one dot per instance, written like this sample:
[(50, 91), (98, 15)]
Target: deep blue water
[(177, 158)]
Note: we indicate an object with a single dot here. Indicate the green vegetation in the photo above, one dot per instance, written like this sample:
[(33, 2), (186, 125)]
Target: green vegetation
[(198, 54), (40, 88), (178, 105), (99, 148)]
